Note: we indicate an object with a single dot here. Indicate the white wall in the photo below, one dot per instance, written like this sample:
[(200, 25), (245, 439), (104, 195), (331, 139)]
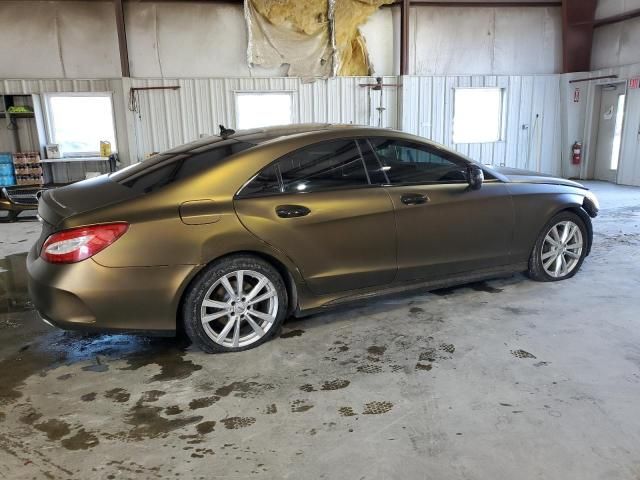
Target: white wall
[(485, 41), (532, 122), (616, 44), (58, 40)]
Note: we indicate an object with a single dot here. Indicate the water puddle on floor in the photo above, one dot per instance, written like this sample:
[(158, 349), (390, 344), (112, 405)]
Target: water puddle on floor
[(29, 347), (14, 296)]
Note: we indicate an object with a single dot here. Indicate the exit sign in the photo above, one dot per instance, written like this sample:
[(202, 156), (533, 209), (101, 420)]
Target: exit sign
[(634, 82)]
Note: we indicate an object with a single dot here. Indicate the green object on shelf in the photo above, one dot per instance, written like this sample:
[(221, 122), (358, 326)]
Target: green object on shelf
[(19, 109)]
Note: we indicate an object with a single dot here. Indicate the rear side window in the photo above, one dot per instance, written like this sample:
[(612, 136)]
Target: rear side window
[(179, 166), (407, 162), (322, 166)]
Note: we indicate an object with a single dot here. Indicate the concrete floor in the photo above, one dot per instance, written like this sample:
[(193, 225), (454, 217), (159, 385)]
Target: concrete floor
[(507, 379)]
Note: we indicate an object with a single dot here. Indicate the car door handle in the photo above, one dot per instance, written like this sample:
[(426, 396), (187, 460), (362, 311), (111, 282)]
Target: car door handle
[(414, 198), (291, 211)]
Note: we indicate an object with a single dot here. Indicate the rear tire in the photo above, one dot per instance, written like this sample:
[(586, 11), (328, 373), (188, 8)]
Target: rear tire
[(234, 304), (560, 248)]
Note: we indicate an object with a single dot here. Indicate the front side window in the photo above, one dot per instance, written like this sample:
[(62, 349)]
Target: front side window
[(322, 166), (407, 162), (326, 165)]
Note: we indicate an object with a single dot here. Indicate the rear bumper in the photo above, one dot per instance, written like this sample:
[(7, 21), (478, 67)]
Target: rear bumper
[(88, 296)]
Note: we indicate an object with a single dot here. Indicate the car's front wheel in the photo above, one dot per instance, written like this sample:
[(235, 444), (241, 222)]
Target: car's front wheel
[(236, 303), (560, 248)]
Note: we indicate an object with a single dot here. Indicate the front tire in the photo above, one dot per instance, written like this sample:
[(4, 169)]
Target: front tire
[(235, 304), (560, 248)]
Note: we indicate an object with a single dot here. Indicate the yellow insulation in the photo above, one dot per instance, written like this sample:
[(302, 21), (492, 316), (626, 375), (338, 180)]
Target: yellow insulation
[(310, 17)]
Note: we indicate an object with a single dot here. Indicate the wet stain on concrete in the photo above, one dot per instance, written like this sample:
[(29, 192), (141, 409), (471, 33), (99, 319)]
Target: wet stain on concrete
[(205, 427), (233, 423), (428, 355), (14, 297), (243, 389), (119, 395), (519, 310), (203, 402), (271, 409), (368, 368), (376, 350), (31, 417), (377, 408), (423, 366), (447, 347), (54, 429), (151, 396), (88, 397), (484, 287), (82, 440), (335, 384), (170, 359), (346, 412), (173, 410), (292, 333), (148, 423), (299, 406), (522, 354)]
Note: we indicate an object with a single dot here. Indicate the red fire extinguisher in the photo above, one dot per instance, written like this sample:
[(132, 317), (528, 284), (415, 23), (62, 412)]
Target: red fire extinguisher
[(576, 155)]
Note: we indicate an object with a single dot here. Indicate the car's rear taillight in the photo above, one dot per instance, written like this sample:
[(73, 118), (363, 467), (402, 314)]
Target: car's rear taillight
[(77, 244)]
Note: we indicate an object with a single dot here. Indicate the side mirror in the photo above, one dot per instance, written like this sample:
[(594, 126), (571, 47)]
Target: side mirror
[(475, 177)]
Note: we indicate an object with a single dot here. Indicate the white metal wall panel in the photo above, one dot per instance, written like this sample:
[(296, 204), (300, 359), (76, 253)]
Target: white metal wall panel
[(170, 117), (528, 142)]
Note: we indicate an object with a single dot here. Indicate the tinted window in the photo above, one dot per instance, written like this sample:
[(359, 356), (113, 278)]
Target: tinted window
[(406, 162), (264, 183), (335, 164), (165, 169), (374, 167)]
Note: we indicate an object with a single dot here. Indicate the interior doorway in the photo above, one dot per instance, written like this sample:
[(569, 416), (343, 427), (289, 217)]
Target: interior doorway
[(609, 138)]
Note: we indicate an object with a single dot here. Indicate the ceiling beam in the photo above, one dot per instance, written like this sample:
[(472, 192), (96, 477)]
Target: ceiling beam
[(577, 34), (617, 18), (539, 3), (122, 38), (404, 37)]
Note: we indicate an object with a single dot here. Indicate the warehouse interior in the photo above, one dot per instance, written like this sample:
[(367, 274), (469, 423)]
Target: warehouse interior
[(496, 379)]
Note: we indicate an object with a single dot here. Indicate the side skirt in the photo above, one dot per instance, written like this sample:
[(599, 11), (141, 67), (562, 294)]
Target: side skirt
[(319, 304)]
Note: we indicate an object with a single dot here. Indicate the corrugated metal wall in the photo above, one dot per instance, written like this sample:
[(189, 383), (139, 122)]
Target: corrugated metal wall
[(532, 129), (170, 117), (422, 105)]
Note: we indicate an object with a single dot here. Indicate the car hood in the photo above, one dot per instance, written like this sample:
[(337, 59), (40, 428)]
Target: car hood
[(517, 175)]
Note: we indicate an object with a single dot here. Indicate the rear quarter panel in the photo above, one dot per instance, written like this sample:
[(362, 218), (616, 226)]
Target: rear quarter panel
[(534, 205)]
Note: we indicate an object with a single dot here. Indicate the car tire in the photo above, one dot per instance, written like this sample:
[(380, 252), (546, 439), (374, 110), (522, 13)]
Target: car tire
[(557, 258), (220, 317)]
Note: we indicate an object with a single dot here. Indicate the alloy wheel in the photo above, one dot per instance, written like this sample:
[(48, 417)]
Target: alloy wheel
[(239, 308), (561, 249)]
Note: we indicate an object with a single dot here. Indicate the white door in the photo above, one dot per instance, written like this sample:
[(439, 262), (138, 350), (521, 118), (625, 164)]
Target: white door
[(609, 132)]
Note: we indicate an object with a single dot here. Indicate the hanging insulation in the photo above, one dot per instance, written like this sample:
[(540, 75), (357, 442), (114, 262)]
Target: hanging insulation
[(316, 38)]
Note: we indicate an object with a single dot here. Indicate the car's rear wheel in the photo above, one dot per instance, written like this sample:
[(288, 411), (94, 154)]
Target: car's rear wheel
[(560, 248), (235, 304)]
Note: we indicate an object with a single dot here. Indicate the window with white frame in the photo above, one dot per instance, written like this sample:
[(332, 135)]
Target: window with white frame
[(263, 109), (78, 122), (477, 115)]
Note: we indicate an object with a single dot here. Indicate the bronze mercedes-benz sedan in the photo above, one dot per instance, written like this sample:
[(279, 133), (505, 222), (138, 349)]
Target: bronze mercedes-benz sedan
[(229, 235)]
